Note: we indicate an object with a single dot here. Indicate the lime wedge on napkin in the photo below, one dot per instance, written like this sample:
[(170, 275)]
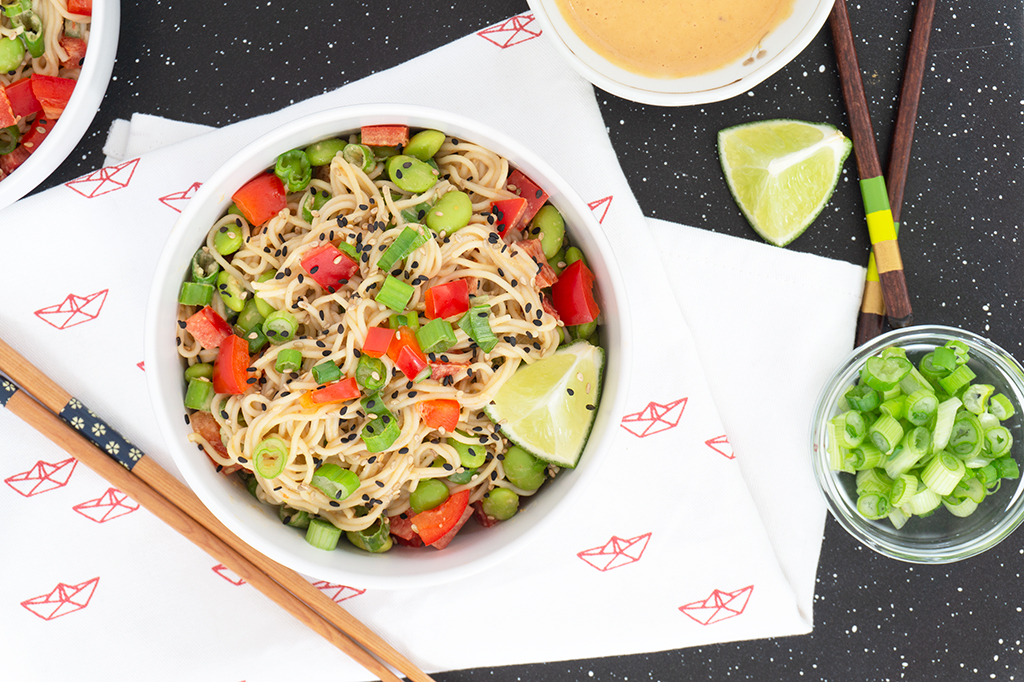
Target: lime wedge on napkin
[(782, 172), (547, 408)]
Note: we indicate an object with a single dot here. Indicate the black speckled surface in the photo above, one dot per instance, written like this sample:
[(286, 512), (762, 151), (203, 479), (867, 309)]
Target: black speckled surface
[(875, 619)]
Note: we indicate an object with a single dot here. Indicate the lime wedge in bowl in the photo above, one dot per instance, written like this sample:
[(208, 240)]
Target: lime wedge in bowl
[(782, 172), (548, 407)]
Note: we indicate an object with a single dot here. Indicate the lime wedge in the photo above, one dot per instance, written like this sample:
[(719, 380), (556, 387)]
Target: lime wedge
[(782, 172), (547, 408)]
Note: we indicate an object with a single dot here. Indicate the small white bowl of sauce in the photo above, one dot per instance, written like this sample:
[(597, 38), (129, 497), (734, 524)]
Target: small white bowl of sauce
[(679, 53)]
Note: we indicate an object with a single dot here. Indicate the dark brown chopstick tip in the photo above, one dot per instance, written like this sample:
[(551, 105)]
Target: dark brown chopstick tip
[(869, 325), (901, 322)]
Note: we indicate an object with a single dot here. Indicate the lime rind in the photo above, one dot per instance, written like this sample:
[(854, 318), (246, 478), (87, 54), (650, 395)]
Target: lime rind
[(782, 173), (542, 408)]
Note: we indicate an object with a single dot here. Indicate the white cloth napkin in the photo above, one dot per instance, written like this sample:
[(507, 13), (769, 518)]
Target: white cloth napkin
[(690, 557)]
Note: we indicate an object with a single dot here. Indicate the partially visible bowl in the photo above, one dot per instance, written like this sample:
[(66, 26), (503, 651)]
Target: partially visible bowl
[(78, 115), (775, 50), (476, 547), (940, 537)]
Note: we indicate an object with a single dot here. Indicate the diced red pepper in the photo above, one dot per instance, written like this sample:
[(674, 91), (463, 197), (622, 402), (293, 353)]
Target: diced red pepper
[(402, 532), (337, 392), (230, 368), (75, 47), (261, 198), (7, 117), (328, 266), (10, 162), (405, 352), (526, 188), (208, 328), (481, 516), (23, 102), (545, 274), (448, 299), (508, 213), (37, 132), (440, 370), (434, 524), (52, 92), (377, 341), (573, 295), (83, 7), (440, 413), (443, 541), (384, 136)]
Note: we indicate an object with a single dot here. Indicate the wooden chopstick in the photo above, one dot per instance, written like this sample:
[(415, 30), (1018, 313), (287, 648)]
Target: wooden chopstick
[(881, 231), (57, 400), (70, 440), (872, 309)]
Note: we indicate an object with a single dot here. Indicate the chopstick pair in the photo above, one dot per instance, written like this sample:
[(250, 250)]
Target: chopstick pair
[(138, 476), (885, 290)]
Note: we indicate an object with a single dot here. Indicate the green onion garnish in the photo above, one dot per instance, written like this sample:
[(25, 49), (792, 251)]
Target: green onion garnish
[(371, 373), (375, 539), (436, 336), (381, 433), (407, 241), (293, 517), (270, 457), (334, 481), (394, 294), (323, 534), (476, 323), (195, 294), (199, 394), (326, 371), (280, 327), (288, 360)]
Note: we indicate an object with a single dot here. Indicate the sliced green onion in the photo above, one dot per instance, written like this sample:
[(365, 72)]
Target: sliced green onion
[(199, 394), (862, 398), (477, 325), (924, 501), (873, 506), (334, 481), (323, 534), (349, 249), (960, 349), (945, 358), (250, 316), (195, 294), (903, 488), (998, 440), (288, 360), (416, 214), (294, 170), (873, 481), (381, 433), (884, 373), (943, 472), (930, 371), (280, 327), (945, 414), (374, 404), (254, 337), (976, 397), (314, 201), (371, 373), (326, 371), (376, 538), (988, 474), (960, 377), (200, 369), (270, 457), (966, 439), (252, 484), (204, 267), (360, 156), (837, 456), (915, 381), (971, 487), (407, 241), (895, 407), (898, 517), (394, 294), (959, 506), (920, 406), (436, 336), (1006, 467), (11, 135), (885, 433), (913, 448), (463, 477), (865, 456), (293, 517), (1001, 407)]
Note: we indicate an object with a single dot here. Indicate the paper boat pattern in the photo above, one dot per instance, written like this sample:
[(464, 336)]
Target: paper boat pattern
[(64, 599), (600, 208), (616, 553), (338, 593), (43, 477), (73, 310), (110, 505), (511, 32), (721, 445), (105, 180), (719, 606), (654, 418), (177, 200), (229, 575)]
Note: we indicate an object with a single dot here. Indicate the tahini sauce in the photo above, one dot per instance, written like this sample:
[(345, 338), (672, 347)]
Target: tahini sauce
[(673, 38)]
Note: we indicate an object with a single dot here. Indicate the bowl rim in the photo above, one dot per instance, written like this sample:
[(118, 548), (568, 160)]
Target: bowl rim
[(215, 192), (611, 79), (991, 355), (81, 109)]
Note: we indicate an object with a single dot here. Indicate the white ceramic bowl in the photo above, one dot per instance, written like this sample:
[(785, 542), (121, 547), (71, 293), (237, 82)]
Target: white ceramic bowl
[(82, 107), (475, 547), (778, 48)]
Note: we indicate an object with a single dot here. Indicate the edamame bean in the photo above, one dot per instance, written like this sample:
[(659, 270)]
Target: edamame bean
[(203, 370), (471, 455), (231, 291), (411, 174), (429, 493), (360, 155), (465, 477), (228, 239), (261, 305), (12, 52), (250, 316), (584, 331), (572, 254), (323, 152), (523, 469), (549, 224), (451, 212), (501, 503), (424, 144), (555, 260)]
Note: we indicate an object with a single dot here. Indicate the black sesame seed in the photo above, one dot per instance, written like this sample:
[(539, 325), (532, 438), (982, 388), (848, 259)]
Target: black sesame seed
[(591, 407)]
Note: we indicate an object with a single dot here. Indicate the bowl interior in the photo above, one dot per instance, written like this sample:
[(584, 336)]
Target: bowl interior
[(776, 50), (941, 537), (475, 547)]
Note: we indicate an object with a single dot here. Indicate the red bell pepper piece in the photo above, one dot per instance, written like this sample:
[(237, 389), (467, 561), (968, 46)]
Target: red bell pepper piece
[(337, 392), (261, 198), (83, 7), (508, 214), (384, 136), (37, 132), (7, 116), (440, 413), (448, 299), (23, 102), (434, 524), (378, 339), (405, 352), (443, 541), (518, 183), (10, 162), (52, 92), (208, 328), (328, 266), (75, 47), (402, 532), (230, 368), (573, 295)]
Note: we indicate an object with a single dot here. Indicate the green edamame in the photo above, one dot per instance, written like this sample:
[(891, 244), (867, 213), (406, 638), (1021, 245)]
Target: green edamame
[(424, 144), (411, 174), (250, 316), (572, 254), (261, 305), (12, 53), (471, 455), (323, 152), (228, 239), (199, 370), (557, 261), (429, 493), (550, 226), (583, 331), (501, 503), (231, 291), (451, 212), (464, 477), (523, 469)]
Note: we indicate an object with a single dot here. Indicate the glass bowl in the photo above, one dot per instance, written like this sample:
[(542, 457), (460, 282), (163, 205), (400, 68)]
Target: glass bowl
[(941, 537)]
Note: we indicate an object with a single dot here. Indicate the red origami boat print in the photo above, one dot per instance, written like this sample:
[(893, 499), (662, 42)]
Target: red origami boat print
[(600, 208), (177, 200), (73, 310), (105, 180), (719, 606), (110, 505), (616, 553), (721, 445), (43, 477), (511, 32), (229, 575), (64, 599), (654, 418), (338, 593)]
